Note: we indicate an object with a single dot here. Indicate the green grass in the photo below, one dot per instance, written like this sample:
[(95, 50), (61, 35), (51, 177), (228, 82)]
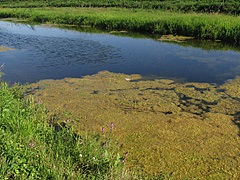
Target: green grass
[(218, 6), (202, 26), (33, 148)]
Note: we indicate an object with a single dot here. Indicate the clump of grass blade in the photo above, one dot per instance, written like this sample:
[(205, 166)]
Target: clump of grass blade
[(1, 73)]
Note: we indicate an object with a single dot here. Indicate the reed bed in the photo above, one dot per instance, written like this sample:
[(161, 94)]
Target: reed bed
[(200, 25)]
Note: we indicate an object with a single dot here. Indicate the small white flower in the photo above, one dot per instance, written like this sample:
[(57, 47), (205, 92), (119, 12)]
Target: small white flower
[(80, 155), (127, 79), (94, 158)]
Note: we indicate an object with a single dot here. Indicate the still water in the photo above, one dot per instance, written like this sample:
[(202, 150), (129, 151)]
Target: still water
[(53, 53)]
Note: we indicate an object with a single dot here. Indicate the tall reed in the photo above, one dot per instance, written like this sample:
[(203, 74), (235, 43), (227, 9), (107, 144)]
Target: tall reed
[(202, 26)]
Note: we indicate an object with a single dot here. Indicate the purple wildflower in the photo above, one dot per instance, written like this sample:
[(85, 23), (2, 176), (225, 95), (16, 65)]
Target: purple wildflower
[(123, 160), (102, 155), (39, 102), (102, 129), (67, 120), (15, 83), (126, 154), (111, 126), (31, 144)]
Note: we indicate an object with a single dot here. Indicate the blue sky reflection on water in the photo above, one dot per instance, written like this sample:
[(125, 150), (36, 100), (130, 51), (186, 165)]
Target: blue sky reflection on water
[(53, 53)]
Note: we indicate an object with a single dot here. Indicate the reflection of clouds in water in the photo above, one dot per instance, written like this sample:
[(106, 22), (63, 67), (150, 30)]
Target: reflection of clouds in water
[(199, 59), (209, 56), (224, 65), (230, 74)]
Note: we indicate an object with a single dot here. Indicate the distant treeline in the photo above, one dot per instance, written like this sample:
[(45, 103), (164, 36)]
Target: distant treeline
[(204, 6)]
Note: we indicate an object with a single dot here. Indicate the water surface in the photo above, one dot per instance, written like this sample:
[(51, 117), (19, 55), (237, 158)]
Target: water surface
[(53, 53)]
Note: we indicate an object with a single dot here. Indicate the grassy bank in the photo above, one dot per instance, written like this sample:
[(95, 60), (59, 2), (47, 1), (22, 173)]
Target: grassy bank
[(202, 26), (217, 6), (32, 147)]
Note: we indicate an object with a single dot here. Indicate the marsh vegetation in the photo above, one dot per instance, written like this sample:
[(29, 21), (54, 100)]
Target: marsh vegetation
[(118, 126), (206, 6), (148, 20)]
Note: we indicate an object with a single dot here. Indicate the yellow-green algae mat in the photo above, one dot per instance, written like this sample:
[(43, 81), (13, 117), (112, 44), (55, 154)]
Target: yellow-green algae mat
[(185, 130), (3, 49)]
